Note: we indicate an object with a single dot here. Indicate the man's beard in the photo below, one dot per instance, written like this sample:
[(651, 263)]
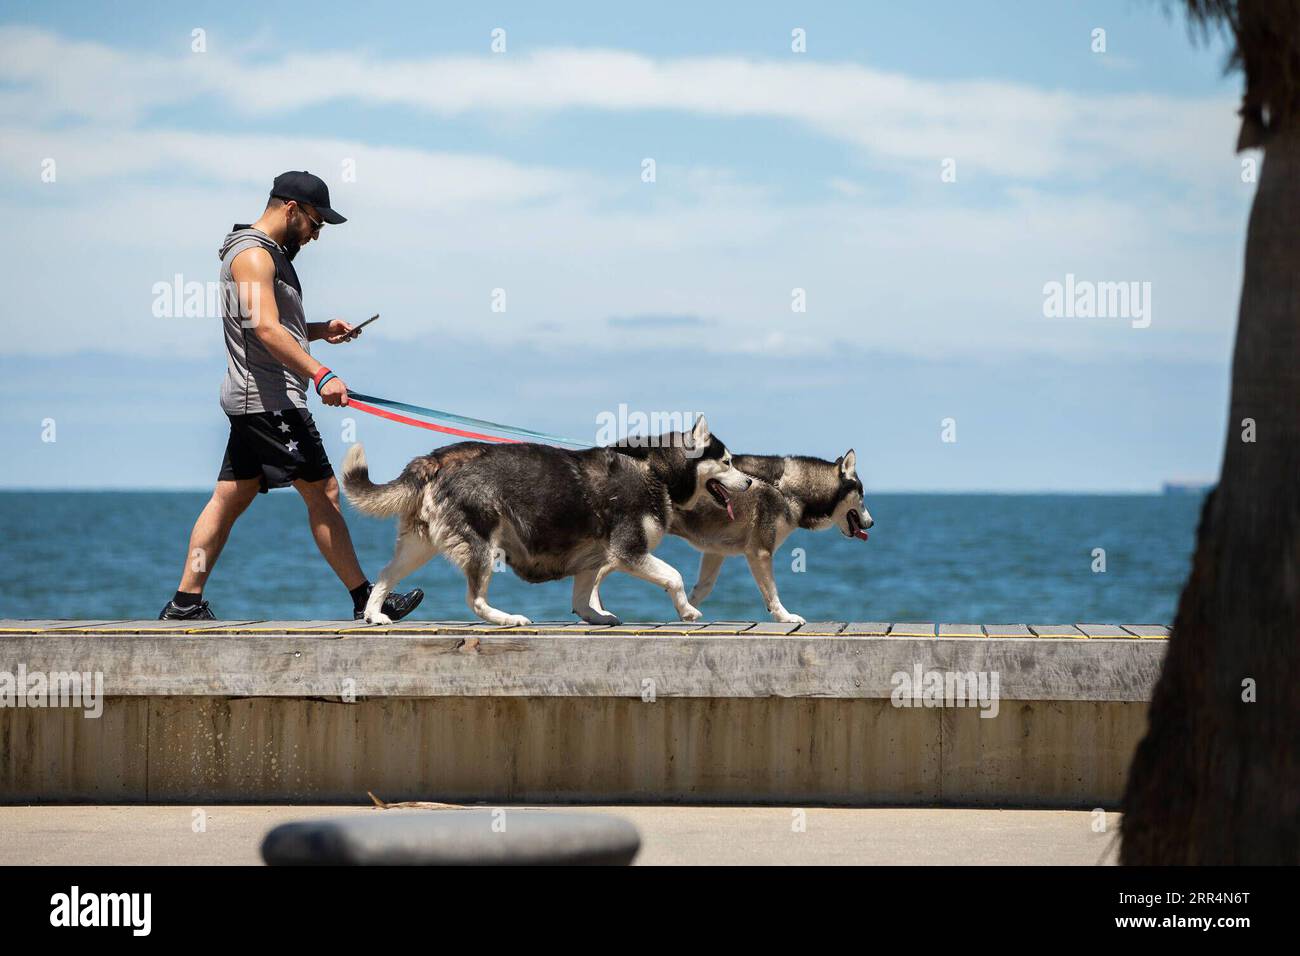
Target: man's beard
[(293, 241)]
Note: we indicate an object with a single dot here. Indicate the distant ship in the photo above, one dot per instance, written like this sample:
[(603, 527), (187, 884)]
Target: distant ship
[(1187, 487)]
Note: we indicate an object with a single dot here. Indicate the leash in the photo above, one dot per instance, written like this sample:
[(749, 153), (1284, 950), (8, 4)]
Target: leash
[(402, 419), (368, 403)]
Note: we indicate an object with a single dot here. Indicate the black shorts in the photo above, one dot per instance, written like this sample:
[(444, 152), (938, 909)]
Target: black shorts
[(278, 447)]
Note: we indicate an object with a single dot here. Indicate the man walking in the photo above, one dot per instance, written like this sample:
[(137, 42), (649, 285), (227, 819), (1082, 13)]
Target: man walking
[(273, 440)]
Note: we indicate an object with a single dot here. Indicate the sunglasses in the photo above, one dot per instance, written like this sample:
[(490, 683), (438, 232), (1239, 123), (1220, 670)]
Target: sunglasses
[(315, 226)]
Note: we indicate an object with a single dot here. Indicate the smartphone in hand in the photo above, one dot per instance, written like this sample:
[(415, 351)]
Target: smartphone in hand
[(353, 333)]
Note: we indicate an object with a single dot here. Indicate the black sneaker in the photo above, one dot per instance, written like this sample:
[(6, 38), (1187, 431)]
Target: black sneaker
[(196, 612), (396, 606)]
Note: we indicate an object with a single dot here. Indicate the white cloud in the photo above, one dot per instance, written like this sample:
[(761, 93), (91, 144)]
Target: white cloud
[(995, 128), (418, 179), (846, 187), (433, 232), (929, 279)]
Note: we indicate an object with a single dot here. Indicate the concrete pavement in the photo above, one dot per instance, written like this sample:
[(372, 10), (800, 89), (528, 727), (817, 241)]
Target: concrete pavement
[(220, 835)]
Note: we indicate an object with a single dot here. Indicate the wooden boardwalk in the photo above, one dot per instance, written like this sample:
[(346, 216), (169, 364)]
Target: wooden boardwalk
[(647, 629)]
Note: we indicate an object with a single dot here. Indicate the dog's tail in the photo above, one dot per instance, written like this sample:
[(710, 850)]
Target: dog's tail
[(379, 501)]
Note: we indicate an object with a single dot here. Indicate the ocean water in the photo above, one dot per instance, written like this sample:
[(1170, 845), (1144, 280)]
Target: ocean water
[(931, 557)]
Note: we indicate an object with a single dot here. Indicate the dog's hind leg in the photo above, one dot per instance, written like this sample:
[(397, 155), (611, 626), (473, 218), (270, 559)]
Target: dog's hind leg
[(649, 568), (760, 565), (710, 565), (477, 565), (586, 598), (411, 552)]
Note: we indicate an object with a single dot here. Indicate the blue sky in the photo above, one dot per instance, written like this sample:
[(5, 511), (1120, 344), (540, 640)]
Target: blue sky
[(522, 171)]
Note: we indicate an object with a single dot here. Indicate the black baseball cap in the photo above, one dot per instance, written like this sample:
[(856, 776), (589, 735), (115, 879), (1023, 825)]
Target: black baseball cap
[(302, 186)]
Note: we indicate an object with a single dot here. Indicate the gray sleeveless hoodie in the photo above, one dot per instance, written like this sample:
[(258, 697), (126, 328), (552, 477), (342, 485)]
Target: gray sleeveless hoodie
[(255, 380)]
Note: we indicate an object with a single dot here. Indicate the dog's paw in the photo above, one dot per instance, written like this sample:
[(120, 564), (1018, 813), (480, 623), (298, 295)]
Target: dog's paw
[(787, 618), (379, 618), (515, 620), (690, 614)]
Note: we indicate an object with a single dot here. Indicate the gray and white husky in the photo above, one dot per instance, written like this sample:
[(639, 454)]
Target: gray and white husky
[(551, 513), (790, 492)]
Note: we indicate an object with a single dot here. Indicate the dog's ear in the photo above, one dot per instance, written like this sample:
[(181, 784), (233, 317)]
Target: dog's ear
[(700, 433), (849, 464)]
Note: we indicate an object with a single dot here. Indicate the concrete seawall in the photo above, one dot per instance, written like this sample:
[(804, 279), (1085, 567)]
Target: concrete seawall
[(720, 713)]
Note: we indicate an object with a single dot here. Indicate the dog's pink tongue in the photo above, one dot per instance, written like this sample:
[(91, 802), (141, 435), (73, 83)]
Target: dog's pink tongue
[(860, 533), (730, 514)]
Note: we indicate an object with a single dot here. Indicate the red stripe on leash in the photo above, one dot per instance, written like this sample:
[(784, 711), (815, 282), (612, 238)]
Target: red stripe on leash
[(402, 419)]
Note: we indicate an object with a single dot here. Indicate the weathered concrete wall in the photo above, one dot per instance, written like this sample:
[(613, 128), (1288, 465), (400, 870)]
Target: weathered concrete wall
[(56, 754), (566, 749)]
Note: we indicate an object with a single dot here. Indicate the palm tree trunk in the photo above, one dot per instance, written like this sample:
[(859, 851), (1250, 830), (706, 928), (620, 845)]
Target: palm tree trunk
[(1217, 778)]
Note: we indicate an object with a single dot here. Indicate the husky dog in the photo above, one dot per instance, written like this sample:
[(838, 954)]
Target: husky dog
[(791, 492), (551, 513)]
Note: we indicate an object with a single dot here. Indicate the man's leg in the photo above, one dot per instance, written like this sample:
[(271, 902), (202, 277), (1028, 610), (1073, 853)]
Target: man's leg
[(330, 530), (212, 528), (335, 543)]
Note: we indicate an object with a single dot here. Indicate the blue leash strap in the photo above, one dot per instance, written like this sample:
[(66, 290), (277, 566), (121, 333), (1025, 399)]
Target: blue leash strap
[(525, 433)]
